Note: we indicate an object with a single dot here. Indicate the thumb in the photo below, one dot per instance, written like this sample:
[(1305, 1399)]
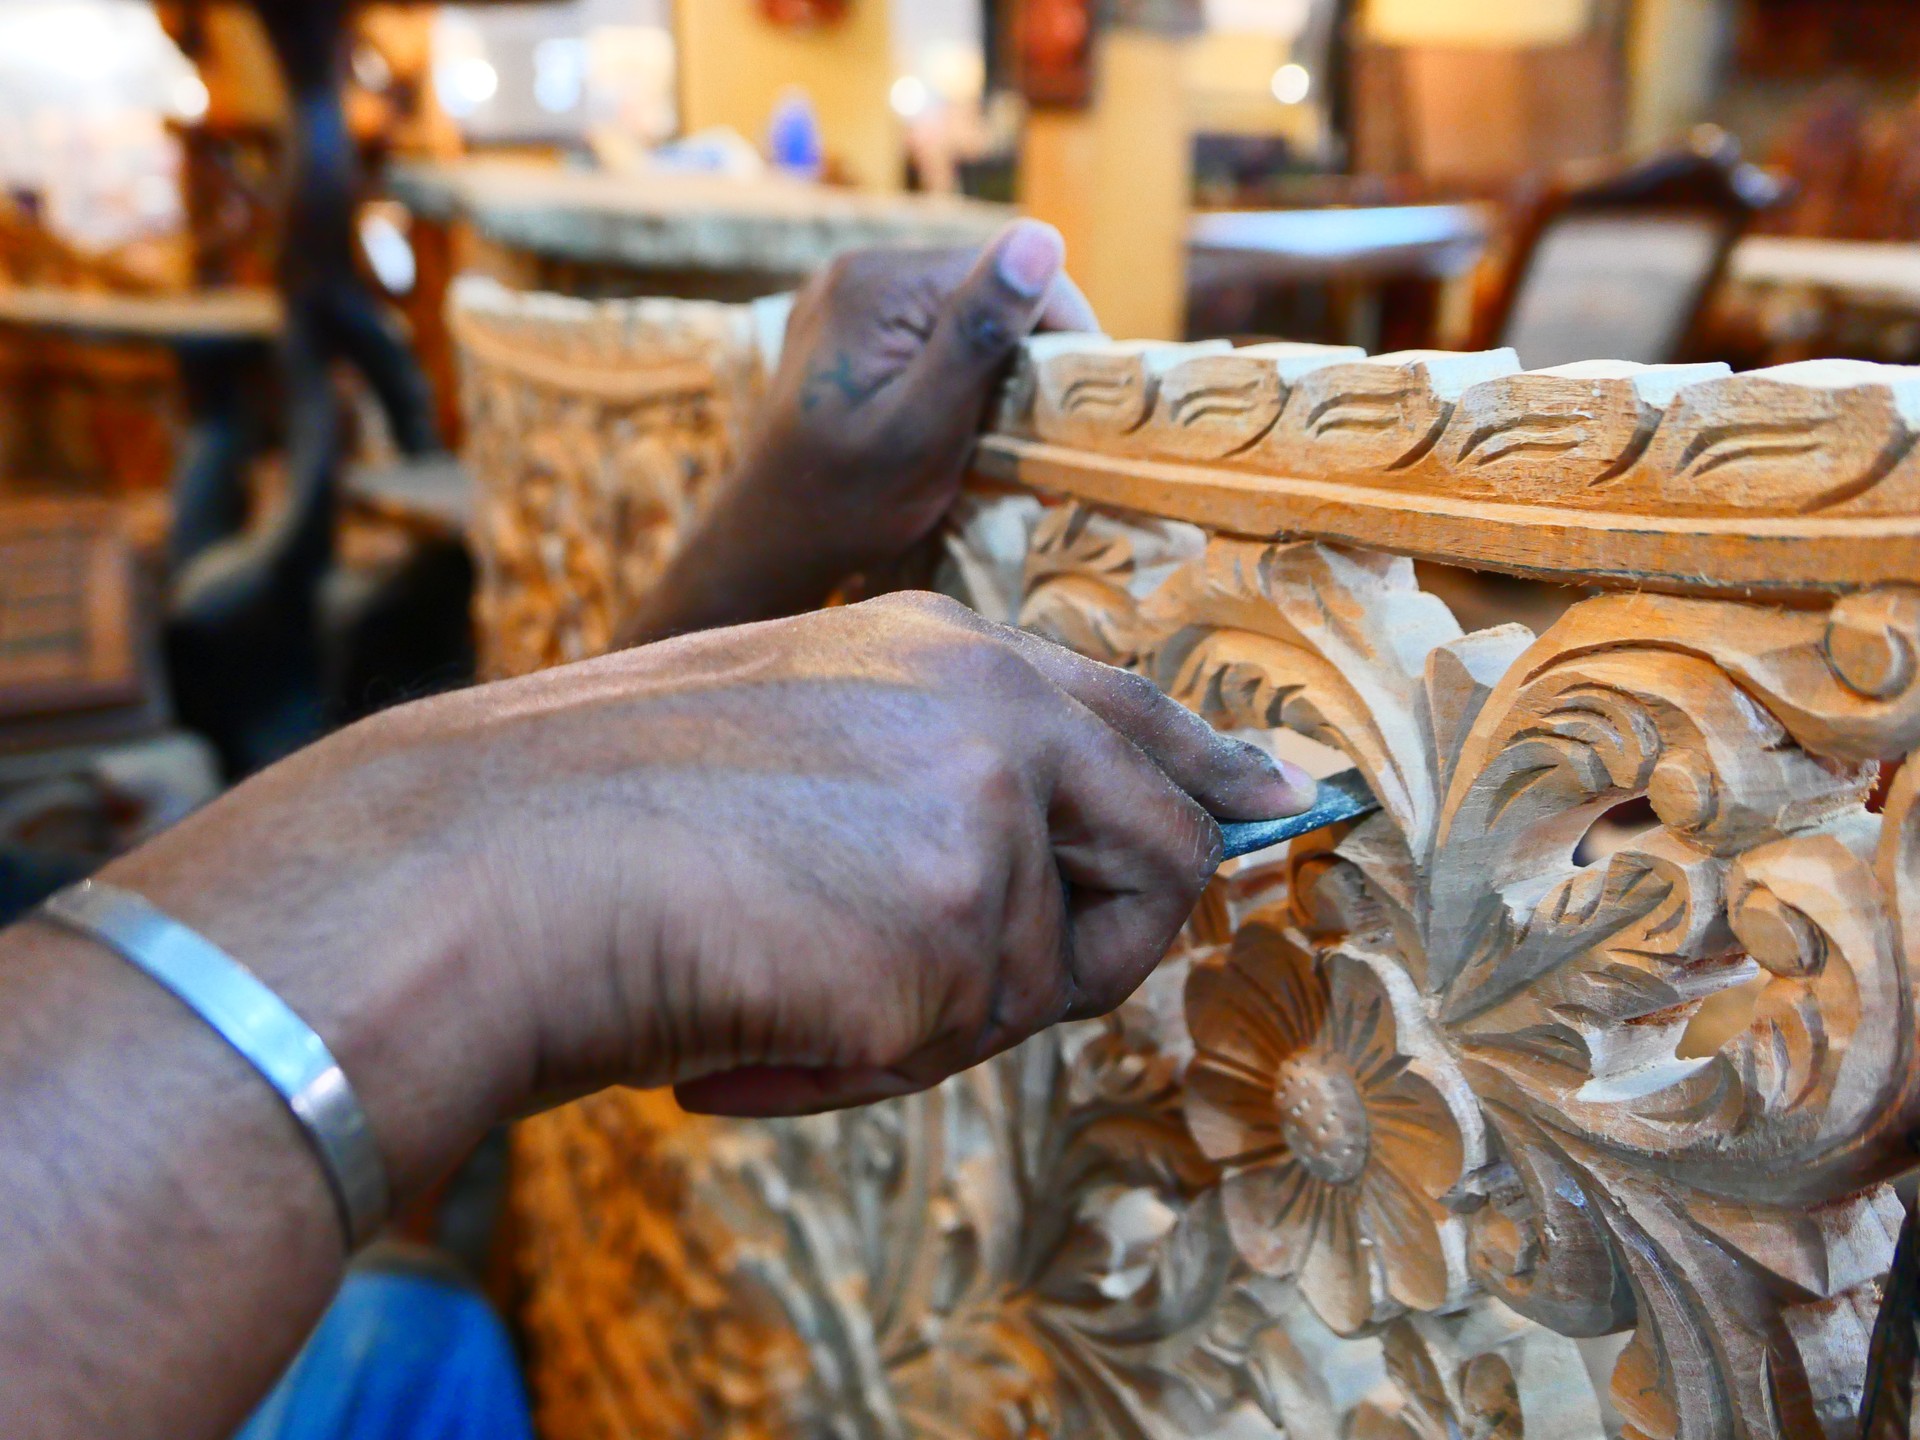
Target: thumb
[(991, 311)]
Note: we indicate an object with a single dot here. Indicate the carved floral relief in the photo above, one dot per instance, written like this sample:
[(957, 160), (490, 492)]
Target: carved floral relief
[(1433, 1126)]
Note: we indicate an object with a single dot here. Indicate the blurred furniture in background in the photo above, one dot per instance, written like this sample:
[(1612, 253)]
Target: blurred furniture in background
[(1623, 262), (598, 234), (1832, 272), (252, 637), (1484, 110), (1800, 297), (231, 177), (594, 432), (1855, 169), (1824, 152), (1363, 275), (73, 656), (88, 761), (135, 395), (1116, 177), (78, 409)]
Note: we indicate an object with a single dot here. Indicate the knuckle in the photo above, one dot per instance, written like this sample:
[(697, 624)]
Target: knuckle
[(980, 774), (930, 604), (1192, 855), (955, 886), (964, 655), (993, 671), (987, 329), (856, 273), (1139, 695)]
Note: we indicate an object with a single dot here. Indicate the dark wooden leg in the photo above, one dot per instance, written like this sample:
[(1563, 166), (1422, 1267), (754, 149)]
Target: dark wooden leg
[(427, 312)]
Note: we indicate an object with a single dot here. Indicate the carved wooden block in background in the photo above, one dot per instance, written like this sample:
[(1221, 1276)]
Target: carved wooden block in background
[(595, 432), (1438, 1124)]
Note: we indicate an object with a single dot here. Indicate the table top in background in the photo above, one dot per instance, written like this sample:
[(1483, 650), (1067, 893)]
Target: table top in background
[(1877, 273), (672, 221), (225, 314), (1356, 242)]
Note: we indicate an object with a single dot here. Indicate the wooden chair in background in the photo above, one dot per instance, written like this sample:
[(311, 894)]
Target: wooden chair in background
[(1623, 262)]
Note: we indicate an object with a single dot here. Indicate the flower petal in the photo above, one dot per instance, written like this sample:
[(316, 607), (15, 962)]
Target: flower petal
[(1360, 1023), (1405, 1238), (1337, 1278), (1232, 1116), (1236, 1020), (1415, 1134), (1286, 978), (1271, 1213)]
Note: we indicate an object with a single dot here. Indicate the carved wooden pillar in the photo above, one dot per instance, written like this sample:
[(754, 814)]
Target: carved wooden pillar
[(1417, 1131), (595, 430)]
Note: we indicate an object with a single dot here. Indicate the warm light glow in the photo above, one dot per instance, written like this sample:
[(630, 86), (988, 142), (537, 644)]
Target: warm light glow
[(910, 97), (388, 251), (465, 83), (559, 74), (1291, 83), (190, 98)]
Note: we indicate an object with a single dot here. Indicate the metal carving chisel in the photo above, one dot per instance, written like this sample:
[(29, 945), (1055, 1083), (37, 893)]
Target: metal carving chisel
[(1342, 797)]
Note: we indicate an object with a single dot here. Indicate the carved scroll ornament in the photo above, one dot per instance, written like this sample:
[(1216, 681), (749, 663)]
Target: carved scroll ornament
[(1416, 1116), (1452, 1061), (595, 432), (1803, 478), (1443, 1124)]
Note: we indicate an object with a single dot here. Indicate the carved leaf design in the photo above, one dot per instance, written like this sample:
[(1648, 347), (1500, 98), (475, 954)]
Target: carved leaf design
[(1419, 1126), (1581, 1163)]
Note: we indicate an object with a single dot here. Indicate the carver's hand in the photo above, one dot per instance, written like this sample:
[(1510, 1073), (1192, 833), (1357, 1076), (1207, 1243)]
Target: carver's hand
[(891, 359), (785, 867)]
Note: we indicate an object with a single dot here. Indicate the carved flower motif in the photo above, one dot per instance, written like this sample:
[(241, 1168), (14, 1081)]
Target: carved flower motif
[(1334, 1148), (1478, 1400)]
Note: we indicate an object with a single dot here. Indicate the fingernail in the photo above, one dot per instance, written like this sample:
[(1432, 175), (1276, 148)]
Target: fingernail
[(1030, 258), (1295, 788)]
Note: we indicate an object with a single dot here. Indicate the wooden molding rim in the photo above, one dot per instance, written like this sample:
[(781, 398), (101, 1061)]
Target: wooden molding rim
[(1739, 555)]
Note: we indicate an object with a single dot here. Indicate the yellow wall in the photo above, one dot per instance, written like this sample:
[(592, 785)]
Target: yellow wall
[(1116, 179), (1477, 22), (734, 65), (1673, 53), (1228, 77)]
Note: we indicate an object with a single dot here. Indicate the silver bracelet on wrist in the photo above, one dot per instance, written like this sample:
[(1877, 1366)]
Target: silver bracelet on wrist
[(257, 1023)]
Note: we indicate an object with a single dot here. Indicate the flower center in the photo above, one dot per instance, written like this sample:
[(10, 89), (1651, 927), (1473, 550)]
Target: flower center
[(1323, 1117)]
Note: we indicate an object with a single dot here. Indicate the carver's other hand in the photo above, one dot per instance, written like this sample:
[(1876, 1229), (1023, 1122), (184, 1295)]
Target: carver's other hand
[(785, 867), (891, 360)]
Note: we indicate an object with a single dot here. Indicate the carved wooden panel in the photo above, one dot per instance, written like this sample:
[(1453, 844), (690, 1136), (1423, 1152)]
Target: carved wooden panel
[(69, 636), (1433, 1126), (594, 431)]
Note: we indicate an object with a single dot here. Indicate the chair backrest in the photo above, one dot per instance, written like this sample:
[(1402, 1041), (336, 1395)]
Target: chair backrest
[(1622, 264)]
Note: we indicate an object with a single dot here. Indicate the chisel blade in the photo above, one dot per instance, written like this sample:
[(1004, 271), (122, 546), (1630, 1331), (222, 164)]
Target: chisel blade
[(1342, 797)]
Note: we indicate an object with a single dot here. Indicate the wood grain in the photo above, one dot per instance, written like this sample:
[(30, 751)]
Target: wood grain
[(1819, 438), (594, 433), (1440, 1123), (1757, 557)]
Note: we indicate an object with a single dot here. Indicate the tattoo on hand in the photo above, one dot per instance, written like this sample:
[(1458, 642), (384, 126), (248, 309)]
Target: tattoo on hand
[(838, 378)]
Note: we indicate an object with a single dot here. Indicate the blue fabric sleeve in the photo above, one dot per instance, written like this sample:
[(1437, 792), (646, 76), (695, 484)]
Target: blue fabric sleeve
[(400, 1356)]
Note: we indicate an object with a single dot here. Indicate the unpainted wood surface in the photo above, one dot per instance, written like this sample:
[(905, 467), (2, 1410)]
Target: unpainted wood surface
[(1440, 1124), (594, 432), (1801, 478), (683, 222)]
